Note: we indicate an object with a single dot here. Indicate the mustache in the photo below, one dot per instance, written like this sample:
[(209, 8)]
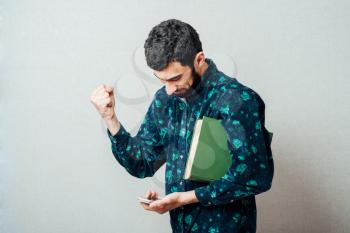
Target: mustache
[(181, 90), (180, 87)]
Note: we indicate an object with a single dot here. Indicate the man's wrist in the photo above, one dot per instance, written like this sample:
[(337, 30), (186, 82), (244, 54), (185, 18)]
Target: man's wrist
[(112, 124), (188, 197)]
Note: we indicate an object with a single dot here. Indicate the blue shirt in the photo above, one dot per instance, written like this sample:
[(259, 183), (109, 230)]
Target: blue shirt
[(226, 204)]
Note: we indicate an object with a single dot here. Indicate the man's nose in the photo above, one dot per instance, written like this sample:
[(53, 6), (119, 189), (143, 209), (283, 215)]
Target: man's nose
[(170, 88)]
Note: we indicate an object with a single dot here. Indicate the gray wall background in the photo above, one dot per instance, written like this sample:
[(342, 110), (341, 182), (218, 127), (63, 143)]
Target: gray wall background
[(57, 170)]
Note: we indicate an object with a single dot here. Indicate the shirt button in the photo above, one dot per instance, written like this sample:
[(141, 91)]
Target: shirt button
[(181, 156), (181, 182)]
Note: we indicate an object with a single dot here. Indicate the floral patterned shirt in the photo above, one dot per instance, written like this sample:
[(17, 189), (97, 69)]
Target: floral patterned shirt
[(226, 204)]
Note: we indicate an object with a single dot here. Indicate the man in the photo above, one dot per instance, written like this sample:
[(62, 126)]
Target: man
[(193, 88)]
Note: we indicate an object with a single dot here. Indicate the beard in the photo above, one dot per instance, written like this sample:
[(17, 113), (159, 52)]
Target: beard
[(184, 91)]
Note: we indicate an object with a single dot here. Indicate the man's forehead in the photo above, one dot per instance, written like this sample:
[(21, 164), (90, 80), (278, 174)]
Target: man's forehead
[(172, 70)]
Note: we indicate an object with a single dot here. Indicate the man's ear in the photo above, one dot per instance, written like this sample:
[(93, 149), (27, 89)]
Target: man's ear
[(198, 62)]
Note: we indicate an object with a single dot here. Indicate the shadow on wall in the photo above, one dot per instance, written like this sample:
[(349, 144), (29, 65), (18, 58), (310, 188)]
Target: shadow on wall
[(296, 202)]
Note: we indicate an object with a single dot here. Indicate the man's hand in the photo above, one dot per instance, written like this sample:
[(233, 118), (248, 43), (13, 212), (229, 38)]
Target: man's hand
[(170, 201), (103, 100), (151, 195)]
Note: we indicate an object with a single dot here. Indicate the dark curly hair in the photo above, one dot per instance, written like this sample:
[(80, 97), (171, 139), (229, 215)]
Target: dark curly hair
[(171, 40)]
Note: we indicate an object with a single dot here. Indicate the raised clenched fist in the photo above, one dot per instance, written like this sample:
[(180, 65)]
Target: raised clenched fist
[(103, 99)]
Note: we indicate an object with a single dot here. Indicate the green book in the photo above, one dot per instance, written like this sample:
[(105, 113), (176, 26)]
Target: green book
[(209, 157)]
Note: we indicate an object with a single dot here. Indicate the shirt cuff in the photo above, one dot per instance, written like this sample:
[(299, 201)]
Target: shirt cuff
[(203, 195), (118, 136)]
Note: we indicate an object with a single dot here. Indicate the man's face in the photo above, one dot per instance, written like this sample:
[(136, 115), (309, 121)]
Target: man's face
[(178, 79)]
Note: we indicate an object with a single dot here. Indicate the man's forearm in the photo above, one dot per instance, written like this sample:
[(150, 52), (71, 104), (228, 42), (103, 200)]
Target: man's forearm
[(188, 197), (113, 125)]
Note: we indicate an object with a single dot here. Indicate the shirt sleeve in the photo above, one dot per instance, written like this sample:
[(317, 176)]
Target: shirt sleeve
[(252, 168), (143, 154)]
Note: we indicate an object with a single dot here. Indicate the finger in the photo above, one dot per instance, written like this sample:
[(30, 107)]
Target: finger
[(153, 195), (95, 92), (102, 95), (148, 194), (99, 99), (102, 92), (103, 104), (156, 195), (105, 100), (145, 206), (156, 204), (101, 86), (109, 89), (99, 89)]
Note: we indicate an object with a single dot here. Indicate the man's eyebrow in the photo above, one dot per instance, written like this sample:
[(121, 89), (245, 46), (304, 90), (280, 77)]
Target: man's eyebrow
[(173, 77)]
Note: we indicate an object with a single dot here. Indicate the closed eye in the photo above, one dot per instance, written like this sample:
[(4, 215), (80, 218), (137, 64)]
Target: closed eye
[(175, 78)]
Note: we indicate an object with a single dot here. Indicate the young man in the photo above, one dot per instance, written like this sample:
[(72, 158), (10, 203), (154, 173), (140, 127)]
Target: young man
[(193, 88)]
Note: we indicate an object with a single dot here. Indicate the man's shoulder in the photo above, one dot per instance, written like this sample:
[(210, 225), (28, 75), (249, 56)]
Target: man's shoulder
[(231, 87)]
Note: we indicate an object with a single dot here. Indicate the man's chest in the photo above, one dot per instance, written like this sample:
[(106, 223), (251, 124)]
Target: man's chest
[(182, 117)]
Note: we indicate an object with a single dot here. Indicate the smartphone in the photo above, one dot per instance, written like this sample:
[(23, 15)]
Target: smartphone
[(145, 200)]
